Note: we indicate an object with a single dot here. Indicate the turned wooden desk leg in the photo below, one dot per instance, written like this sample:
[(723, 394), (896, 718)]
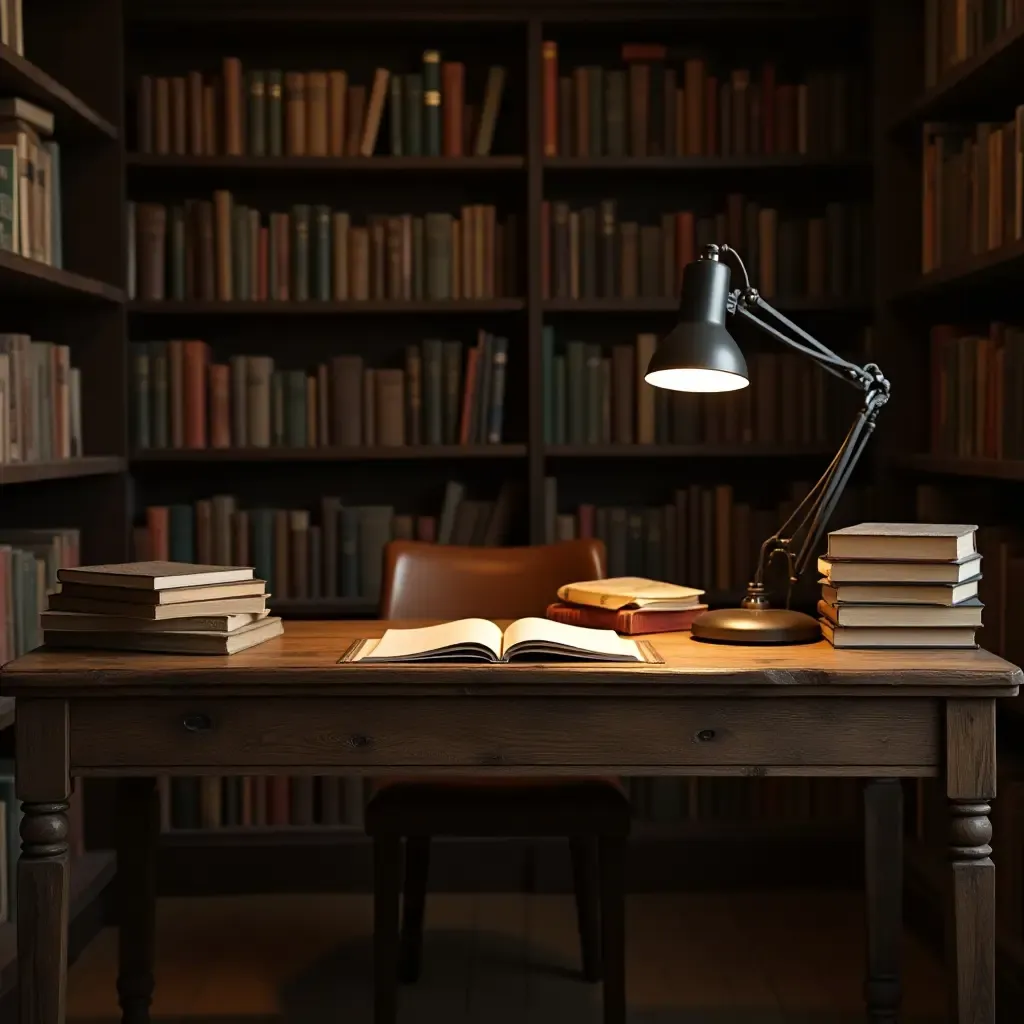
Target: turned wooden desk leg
[(883, 884), (138, 826), (970, 929), (43, 784)]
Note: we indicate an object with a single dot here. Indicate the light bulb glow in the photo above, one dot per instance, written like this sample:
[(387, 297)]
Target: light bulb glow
[(694, 379)]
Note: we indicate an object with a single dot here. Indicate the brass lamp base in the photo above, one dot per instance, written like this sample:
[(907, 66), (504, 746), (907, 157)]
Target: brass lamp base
[(755, 626)]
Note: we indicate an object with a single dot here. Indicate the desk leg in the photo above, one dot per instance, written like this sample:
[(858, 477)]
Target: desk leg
[(970, 929), (43, 885), (883, 884), (138, 826)]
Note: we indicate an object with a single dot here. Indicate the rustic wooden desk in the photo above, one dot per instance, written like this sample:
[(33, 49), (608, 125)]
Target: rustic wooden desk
[(709, 710)]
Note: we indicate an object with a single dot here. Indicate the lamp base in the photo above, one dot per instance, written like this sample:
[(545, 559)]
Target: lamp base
[(755, 626)]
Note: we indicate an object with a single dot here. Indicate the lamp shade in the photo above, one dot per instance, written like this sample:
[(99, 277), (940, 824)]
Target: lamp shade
[(700, 354)]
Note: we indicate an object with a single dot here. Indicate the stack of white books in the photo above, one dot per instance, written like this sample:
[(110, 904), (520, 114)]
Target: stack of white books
[(901, 585), (167, 607)]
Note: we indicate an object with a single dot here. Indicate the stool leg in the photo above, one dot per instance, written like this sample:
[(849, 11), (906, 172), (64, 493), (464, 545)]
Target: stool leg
[(584, 852), (386, 864), (414, 897), (612, 859)]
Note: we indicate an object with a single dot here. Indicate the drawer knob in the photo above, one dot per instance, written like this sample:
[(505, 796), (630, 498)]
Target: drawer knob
[(705, 735), (196, 723)]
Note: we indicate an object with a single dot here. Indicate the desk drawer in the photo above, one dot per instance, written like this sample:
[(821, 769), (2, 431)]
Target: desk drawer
[(442, 733)]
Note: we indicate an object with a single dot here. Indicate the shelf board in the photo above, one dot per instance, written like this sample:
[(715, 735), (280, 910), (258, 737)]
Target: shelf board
[(21, 278), (781, 161), (6, 712), (72, 117), (986, 268), (314, 307), (334, 453), (372, 165), (981, 86), (63, 469), (945, 465), (326, 607), (695, 451), (91, 873), (791, 304)]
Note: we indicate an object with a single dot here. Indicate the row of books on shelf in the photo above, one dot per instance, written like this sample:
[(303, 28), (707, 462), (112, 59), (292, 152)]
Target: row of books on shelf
[(255, 112), (339, 556), (956, 30), (972, 190), (29, 560), (672, 103), (326, 801), (31, 219), (976, 383), (446, 393), (704, 537), (590, 252), (593, 396), (220, 249), (40, 401)]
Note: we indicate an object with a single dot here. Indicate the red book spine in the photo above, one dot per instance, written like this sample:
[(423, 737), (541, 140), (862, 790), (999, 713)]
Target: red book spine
[(586, 515), (277, 800), (220, 406), (195, 394), (453, 82), (158, 523), (426, 529), (469, 390), (549, 58)]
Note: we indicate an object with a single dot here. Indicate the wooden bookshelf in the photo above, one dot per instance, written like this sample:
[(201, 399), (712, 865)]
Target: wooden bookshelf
[(668, 305), (335, 453), (986, 469), (153, 162), (66, 469), (25, 279), (996, 268), (313, 307), (685, 451), (715, 164)]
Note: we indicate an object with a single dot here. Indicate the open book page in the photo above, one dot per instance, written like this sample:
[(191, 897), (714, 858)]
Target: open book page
[(605, 642), (401, 644)]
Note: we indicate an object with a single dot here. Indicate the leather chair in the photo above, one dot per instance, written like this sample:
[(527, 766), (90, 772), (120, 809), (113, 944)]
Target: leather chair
[(444, 581)]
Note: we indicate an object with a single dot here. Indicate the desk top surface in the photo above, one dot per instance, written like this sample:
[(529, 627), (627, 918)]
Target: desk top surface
[(305, 660)]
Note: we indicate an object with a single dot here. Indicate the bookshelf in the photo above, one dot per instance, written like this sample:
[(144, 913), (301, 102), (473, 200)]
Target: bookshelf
[(948, 273)]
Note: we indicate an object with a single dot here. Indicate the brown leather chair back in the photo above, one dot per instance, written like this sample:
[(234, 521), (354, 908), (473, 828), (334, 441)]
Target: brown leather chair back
[(430, 581)]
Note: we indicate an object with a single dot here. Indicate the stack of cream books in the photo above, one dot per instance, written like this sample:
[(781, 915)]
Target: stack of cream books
[(166, 607), (901, 585)]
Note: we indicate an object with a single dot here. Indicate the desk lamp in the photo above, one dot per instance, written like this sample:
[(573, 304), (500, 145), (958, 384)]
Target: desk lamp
[(701, 356)]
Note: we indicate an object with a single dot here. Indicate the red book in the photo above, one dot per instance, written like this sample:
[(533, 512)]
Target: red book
[(453, 88), (220, 406), (278, 800), (195, 394), (158, 523), (630, 621)]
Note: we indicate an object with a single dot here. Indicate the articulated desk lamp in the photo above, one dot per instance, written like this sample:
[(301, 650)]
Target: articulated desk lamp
[(701, 356)]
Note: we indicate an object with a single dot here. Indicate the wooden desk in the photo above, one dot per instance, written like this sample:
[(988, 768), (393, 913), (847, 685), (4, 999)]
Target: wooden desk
[(288, 707)]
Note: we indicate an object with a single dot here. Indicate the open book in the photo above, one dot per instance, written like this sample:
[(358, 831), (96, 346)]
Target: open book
[(481, 640)]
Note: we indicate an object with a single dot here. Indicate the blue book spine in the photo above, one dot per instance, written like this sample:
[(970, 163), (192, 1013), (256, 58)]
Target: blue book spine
[(499, 354)]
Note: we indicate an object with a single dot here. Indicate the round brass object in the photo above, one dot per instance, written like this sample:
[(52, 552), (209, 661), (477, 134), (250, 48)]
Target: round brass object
[(755, 626)]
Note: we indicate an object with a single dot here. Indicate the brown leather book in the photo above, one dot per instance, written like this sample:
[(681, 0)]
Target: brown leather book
[(220, 405), (144, 114), (453, 88), (179, 116), (195, 362), (152, 234), (337, 87), (316, 114), (629, 256), (299, 530), (211, 141), (295, 113), (356, 116), (359, 263), (339, 256), (222, 236), (346, 399), (234, 136), (374, 112), (369, 407), (176, 403), (549, 59), (390, 407), (639, 88), (630, 622), (162, 116), (195, 114)]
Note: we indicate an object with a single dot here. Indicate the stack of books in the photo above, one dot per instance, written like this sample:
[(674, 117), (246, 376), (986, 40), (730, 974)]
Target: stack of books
[(628, 604), (166, 607), (901, 585)]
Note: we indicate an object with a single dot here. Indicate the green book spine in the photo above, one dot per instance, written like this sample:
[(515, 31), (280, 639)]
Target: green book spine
[(575, 358), (239, 252), (496, 397), (412, 121), (395, 111), (160, 390), (560, 411), (277, 420), (143, 389), (615, 113), (322, 252), (432, 103), (9, 182), (275, 113), (262, 520), (181, 533), (433, 392), (595, 90), (300, 253), (257, 113), (452, 359), (177, 253), (592, 394), (418, 259), (295, 403), (548, 372)]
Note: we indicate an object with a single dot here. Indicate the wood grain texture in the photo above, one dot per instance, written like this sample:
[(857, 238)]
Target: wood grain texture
[(304, 661), (41, 735), (971, 749)]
